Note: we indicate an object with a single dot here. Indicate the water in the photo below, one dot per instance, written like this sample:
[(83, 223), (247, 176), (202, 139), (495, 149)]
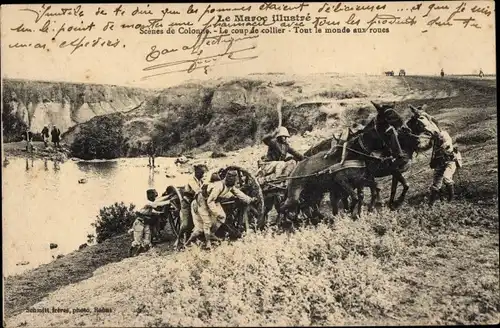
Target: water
[(44, 203)]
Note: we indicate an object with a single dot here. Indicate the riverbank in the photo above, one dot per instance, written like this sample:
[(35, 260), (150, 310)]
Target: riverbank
[(39, 151)]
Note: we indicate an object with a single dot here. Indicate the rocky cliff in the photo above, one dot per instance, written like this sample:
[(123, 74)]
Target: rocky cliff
[(36, 103)]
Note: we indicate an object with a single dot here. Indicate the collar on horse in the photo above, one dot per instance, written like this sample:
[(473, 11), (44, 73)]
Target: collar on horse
[(359, 136)]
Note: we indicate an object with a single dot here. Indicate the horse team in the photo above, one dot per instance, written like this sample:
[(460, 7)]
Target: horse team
[(384, 147)]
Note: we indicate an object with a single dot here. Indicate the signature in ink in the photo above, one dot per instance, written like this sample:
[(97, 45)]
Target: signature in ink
[(204, 63), (204, 38), (196, 48)]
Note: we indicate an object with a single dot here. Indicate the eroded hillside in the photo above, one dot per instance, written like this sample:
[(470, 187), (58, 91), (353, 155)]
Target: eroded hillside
[(35, 104)]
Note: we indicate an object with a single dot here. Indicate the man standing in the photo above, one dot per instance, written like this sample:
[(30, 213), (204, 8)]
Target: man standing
[(208, 214), (141, 227), (151, 150), (276, 159), (56, 133), (445, 159), (192, 188), (45, 136), (28, 135)]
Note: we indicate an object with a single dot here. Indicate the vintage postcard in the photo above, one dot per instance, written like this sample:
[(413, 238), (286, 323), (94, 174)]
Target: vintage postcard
[(249, 164)]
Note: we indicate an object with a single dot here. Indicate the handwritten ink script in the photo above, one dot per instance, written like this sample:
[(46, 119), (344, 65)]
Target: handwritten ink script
[(183, 38)]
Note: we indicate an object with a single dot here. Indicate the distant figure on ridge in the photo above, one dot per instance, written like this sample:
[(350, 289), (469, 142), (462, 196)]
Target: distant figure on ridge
[(481, 74), (442, 72)]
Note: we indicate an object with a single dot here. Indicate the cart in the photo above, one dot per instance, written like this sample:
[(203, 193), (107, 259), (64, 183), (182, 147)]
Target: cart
[(240, 217)]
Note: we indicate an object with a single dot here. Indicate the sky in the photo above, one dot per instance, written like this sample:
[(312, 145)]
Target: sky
[(456, 49)]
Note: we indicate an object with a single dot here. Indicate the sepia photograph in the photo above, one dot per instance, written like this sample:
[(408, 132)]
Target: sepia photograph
[(249, 164)]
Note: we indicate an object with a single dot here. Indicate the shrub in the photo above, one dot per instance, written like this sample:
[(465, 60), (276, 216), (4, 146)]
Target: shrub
[(100, 138), (342, 94), (237, 129), (476, 136), (113, 220), (197, 137)]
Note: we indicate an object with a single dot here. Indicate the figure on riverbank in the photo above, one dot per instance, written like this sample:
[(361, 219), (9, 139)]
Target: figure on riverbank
[(28, 136), (206, 209), (45, 136), (151, 151), (277, 161), (192, 187), (56, 136), (444, 160), (141, 227)]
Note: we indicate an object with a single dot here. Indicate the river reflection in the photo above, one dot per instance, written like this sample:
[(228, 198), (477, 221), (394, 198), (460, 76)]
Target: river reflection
[(47, 201)]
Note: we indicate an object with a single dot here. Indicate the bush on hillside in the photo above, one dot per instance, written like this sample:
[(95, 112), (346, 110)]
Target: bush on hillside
[(100, 138), (113, 220), (237, 130), (187, 126), (476, 136), (342, 94), (196, 137)]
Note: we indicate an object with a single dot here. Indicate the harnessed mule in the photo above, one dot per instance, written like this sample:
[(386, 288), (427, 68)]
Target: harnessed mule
[(415, 136), (379, 135)]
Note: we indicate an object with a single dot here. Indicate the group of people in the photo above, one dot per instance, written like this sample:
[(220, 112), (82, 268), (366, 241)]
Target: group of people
[(201, 207), (55, 133)]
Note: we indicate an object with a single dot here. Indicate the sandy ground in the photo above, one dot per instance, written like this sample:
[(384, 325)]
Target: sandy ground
[(18, 149)]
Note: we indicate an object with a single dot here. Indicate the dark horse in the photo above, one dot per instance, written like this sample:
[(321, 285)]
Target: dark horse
[(379, 135), (413, 137)]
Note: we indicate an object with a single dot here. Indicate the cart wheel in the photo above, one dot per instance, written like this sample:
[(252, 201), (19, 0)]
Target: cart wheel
[(172, 210), (248, 184)]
